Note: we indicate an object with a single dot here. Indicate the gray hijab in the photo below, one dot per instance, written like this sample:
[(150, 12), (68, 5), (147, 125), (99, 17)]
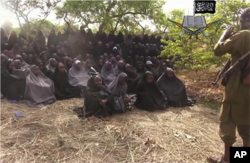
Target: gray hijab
[(39, 88), (49, 67), (107, 75), (78, 77), (119, 91), (116, 88)]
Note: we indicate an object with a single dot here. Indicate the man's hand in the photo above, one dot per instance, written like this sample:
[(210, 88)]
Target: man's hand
[(228, 33)]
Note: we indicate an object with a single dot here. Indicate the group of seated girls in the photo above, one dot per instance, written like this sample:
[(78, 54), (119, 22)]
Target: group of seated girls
[(113, 90)]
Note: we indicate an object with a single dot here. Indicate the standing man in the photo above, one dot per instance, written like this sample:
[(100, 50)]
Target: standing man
[(235, 107)]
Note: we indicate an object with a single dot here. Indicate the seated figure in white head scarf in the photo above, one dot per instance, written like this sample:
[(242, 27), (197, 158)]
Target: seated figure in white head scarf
[(78, 75)]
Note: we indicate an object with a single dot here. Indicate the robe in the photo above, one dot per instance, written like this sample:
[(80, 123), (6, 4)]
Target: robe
[(149, 96), (63, 90)]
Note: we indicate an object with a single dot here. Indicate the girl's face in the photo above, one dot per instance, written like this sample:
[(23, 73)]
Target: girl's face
[(44, 57), (120, 64), (118, 57), (113, 60), (123, 80), (89, 64), (11, 66), (30, 57), (36, 70), (18, 64), (100, 62), (98, 82), (40, 65), (61, 67), (79, 65), (53, 63), (170, 74), (164, 66), (128, 67), (108, 66), (140, 66), (70, 62), (150, 78)]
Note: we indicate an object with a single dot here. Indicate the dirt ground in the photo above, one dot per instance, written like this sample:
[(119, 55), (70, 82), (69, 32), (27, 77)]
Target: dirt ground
[(54, 134), (199, 84)]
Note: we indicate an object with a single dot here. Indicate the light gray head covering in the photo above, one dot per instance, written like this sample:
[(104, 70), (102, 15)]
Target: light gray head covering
[(78, 77), (116, 88), (149, 63), (108, 75), (39, 88)]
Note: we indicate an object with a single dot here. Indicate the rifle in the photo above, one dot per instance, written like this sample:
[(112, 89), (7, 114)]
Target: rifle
[(222, 71), (227, 72), (185, 30), (201, 30)]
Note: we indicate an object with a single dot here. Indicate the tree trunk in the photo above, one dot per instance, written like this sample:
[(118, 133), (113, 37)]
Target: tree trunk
[(118, 21), (21, 27), (102, 25)]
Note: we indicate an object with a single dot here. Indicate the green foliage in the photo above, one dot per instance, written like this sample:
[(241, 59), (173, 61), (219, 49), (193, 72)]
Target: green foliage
[(23, 9), (198, 54), (115, 15)]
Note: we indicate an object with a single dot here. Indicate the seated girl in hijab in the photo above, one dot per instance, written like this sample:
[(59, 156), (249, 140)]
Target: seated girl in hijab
[(18, 70), (120, 67), (98, 100), (88, 66), (12, 83), (50, 68), (24, 65), (99, 65), (68, 63), (113, 61), (78, 76), (118, 88), (140, 68), (133, 78), (39, 89), (149, 97), (174, 89), (108, 73), (161, 69), (149, 67), (41, 66), (63, 90)]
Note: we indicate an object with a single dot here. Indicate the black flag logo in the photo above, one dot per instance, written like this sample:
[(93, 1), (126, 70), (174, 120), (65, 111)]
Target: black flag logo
[(205, 6)]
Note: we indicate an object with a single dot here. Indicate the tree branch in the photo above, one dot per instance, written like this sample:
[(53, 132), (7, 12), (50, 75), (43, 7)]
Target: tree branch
[(129, 13), (143, 29), (118, 21)]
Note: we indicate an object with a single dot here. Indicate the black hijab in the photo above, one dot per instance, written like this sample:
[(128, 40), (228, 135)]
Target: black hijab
[(63, 89), (173, 88), (149, 95)]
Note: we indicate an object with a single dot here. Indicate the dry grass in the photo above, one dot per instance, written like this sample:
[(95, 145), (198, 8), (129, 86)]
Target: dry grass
[(54, 134)]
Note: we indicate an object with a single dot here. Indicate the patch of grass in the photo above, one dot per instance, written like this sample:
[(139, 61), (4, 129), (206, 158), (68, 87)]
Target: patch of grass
[(209, 104)]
